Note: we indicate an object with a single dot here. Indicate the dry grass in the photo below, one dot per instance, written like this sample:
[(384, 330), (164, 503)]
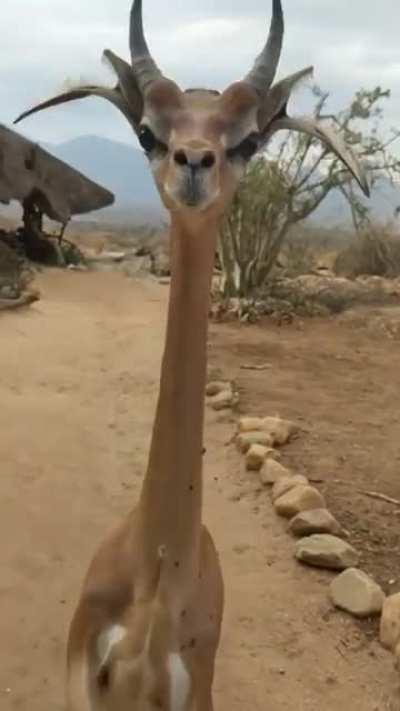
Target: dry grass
[(375, 252), (15, 273)]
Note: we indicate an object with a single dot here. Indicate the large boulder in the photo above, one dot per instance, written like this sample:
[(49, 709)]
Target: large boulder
[(307, 523), (284, 485), (325, 551), (217, 386), (245, 440), (272, 471), (280, 431), (301, 498), (256, 456), (355, 592)]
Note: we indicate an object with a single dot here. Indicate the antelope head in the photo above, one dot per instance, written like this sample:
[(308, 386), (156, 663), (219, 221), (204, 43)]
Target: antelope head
[(199, 141)]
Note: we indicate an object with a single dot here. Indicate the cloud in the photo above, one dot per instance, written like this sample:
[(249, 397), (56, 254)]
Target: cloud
[(198, 42)]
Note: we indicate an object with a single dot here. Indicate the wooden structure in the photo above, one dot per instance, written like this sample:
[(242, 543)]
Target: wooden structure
[(39, 181)]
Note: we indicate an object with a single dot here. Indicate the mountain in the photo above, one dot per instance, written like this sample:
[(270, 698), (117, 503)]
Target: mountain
[(385, 198), (123, 169)]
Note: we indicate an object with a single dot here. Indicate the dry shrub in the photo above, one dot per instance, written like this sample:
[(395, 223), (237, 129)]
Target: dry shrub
[(15, 274), (305, 296), (375, 253), (298, 256)]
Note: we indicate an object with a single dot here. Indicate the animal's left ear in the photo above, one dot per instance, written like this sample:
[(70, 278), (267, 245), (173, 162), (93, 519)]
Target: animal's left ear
[(273, 117)]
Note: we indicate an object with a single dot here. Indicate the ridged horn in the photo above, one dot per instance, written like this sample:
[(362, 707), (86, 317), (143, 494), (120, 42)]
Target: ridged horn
[(263, 73), (146, 69)]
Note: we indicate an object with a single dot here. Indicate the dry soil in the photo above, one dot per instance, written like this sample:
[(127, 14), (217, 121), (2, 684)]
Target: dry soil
[(78, 381)]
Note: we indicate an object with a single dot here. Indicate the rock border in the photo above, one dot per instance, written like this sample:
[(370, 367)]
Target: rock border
[(322, 540)]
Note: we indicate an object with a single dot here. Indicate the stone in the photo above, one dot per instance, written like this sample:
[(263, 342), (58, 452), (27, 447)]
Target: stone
[(223, 401), (307, 523), (246, 439), (216, 387), (390, 623), (272, 471), (255, 457), (281, 431), (325, 551), (355, 592), (250, 424), (301, 498), (284, 485)]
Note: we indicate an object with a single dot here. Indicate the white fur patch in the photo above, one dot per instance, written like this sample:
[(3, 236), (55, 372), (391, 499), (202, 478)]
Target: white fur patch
[(107, 640), (180, 682)]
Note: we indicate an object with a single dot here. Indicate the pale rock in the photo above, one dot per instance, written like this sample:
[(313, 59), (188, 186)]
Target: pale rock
[(281, 431), (307, 523), (256, 456), (224, 400), (325, 551), (250, 424), (390, 623), (216, 387), (355, 592), (246, 439), (272, 471), (284, 485), (301, 498)]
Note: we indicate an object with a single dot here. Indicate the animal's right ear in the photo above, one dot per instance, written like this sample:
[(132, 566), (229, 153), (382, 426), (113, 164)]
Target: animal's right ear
[(126, 96)]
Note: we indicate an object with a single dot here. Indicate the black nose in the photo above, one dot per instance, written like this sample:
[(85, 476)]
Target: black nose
[(202, 160)]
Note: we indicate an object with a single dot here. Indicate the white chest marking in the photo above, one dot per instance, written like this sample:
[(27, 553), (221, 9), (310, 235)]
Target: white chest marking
[(106, 641), (179, 682)]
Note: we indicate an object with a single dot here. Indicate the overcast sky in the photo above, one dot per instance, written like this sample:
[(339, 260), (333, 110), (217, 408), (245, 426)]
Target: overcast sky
[(351, 43)]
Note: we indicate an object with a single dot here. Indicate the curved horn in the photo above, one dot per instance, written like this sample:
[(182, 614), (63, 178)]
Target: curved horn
[(146, 69), (263, 73)]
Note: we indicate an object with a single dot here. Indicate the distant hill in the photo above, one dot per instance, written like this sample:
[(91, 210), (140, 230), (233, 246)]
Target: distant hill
[(384, 200), (123, 169)]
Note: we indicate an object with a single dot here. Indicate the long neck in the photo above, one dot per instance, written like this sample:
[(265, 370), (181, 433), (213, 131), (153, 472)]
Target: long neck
[(172, 492)]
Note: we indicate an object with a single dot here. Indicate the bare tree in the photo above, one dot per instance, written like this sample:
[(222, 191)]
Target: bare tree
[(285, 188)]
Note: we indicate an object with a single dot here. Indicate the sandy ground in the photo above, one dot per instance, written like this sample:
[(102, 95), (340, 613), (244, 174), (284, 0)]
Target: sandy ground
[(78, 381)]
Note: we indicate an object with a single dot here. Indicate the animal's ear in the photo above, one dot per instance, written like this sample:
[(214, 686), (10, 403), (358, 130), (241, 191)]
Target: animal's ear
[(273, 117), (128, 86), (126, 96)]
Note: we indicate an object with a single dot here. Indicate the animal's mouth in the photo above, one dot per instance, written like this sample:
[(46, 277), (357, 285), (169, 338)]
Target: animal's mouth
[(192, 190), (195, 195)]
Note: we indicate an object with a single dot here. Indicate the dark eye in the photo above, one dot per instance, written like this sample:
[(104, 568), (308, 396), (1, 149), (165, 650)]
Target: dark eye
[(246, 149), (147, 139)]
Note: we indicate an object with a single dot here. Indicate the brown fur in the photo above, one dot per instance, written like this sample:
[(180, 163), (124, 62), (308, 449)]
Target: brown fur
[(153, 595), (158, 575)]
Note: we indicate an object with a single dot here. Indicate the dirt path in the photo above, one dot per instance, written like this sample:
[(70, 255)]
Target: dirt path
[(78, 381)]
